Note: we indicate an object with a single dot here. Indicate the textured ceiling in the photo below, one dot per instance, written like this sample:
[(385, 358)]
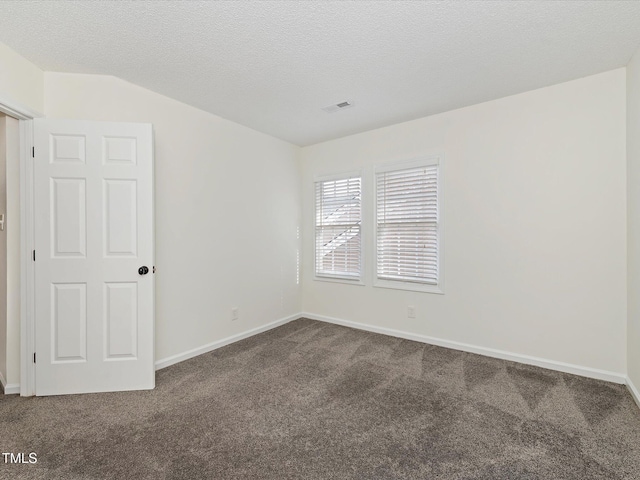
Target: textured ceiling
[(272, 66)]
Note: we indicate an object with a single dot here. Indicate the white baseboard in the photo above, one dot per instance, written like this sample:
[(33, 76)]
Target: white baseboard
[(12, 389), (488, 352), (635, 393), (9, 388), (614, 377), (180, 357)]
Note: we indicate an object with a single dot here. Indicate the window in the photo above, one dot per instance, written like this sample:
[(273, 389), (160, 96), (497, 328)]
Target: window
[(338, 228), (408, 226)]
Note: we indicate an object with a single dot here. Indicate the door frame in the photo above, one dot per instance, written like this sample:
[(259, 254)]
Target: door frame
[(25, 115)]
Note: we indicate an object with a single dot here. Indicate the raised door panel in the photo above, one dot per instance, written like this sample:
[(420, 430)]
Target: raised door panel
[(121, 320), (68, 217), (67, 149), (119, 151), (69, 322), (120, 218)]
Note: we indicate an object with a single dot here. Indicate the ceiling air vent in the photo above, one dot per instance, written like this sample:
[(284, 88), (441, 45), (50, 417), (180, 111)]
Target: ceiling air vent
[(338, 106)]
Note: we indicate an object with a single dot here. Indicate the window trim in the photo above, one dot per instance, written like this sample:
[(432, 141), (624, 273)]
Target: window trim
[(401, 284), (360, 280)]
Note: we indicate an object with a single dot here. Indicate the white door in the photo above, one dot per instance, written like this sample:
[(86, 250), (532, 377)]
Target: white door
[(94, 240)]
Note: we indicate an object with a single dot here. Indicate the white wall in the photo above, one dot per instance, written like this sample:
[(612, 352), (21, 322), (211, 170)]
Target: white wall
[(20, 80), (535, 224), (633, 217), (227, 211), (535, 195)]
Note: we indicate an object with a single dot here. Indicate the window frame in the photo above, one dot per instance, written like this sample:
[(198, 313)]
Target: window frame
[(360, 280), (402, 284)]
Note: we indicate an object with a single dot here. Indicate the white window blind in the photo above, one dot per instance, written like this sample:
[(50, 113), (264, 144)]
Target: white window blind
[(338, 225), (407, 231)]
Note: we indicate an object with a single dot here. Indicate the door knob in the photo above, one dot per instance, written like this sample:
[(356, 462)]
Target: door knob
[(143, 270)]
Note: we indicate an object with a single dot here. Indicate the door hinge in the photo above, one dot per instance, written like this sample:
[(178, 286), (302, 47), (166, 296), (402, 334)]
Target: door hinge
[(34, 357), (34, 255), (33, 152)]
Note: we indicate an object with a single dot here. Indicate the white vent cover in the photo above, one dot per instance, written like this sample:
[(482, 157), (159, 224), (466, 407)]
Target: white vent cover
[(338, 106)]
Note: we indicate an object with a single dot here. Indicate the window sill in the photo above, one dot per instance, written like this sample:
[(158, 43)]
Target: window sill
[(355, 281), (410, 286)]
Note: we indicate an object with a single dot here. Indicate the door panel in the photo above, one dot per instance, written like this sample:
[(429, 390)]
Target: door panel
[(68, 149), (68, 217), (121, 320), (120, 150), (93, 230), (120, 219), (69, 322)]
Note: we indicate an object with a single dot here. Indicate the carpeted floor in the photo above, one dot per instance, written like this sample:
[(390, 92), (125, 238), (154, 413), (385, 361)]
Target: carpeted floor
[(310, 400)]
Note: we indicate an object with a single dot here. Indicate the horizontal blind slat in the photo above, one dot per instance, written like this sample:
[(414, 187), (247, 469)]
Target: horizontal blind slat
[(407, 212), (338, 219)]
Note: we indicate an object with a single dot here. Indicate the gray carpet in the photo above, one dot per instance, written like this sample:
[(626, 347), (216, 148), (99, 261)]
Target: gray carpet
[(311, 400)]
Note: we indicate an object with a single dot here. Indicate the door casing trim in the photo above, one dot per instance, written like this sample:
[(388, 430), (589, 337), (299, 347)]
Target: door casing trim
[(27, 265), (25, 115)]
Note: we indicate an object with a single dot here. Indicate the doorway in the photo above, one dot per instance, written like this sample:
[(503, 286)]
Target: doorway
[(9, 253), (21, 244)]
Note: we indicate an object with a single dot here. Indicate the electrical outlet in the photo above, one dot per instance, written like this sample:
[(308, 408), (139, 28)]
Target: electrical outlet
[(234, 314), (411, 311)]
